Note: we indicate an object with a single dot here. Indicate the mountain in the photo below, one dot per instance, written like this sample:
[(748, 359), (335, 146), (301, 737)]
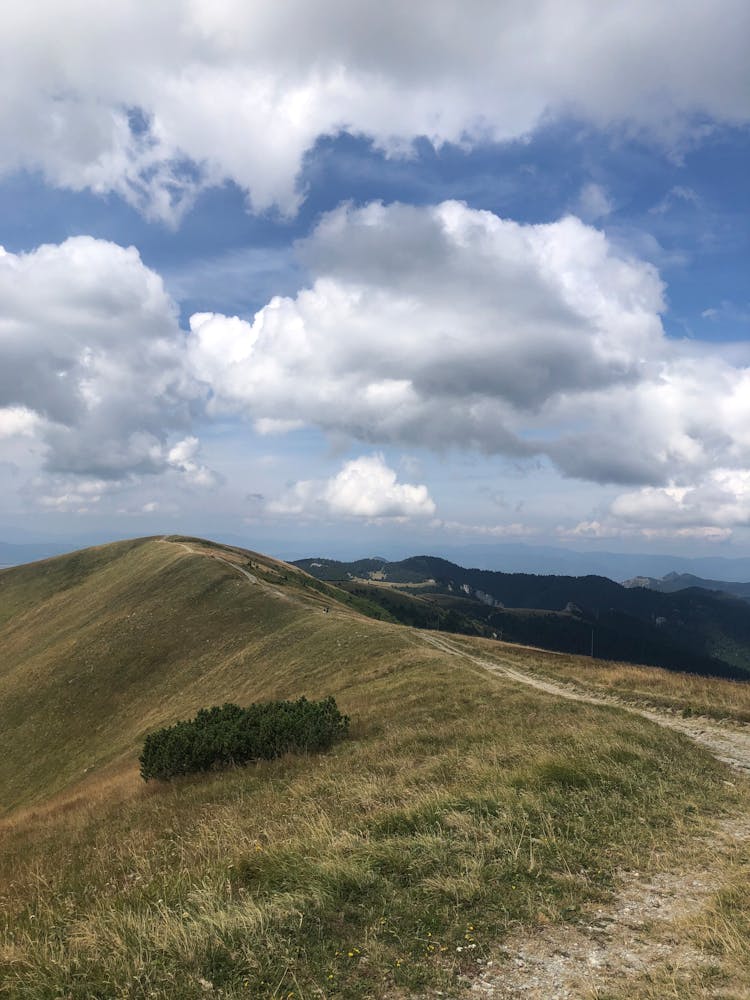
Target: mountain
[(507, 557), (463, 809), (692, 630), (520, 557), (102, 645), (673, 582)]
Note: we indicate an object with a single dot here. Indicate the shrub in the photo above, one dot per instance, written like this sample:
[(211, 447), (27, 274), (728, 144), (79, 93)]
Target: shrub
[(226, 735)]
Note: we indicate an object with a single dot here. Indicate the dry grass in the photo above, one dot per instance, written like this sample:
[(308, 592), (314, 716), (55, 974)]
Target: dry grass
[(99, 651), (688, 694), (716, 934), (400, 860), (461, 806)]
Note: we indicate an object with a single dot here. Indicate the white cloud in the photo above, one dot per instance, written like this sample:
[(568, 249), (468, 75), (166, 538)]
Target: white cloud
[(157, 100), (680, 194), (364, 487), (435, 327), (18, 421), (266, 426), (441, 326), (92, 363), (514, 529), (70, 494), (446, 327), (710, 507), (612, 529), (718, 500), (183, 457)]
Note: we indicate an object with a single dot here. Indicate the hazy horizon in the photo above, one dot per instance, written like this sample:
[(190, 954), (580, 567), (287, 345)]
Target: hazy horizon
[(509, 557)]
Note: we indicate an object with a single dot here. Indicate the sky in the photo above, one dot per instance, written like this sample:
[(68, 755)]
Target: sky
[(358, 278)]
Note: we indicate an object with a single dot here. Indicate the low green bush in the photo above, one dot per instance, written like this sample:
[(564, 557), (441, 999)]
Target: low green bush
[(227, 735)]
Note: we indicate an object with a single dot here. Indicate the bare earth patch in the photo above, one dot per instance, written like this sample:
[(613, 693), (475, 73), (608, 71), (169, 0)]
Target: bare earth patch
[(642, 929)]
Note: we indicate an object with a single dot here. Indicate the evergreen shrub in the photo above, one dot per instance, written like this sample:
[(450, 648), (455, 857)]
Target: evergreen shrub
[(228, 735)]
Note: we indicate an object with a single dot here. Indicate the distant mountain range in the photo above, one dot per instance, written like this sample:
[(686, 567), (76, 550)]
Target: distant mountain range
[(696, 630), (16, 555), (508, 557), (673, 582), (519, 557)]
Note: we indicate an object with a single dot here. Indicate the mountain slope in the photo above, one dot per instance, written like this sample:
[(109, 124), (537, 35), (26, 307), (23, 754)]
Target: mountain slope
[(102, 645), (693, 630), (464, 805)]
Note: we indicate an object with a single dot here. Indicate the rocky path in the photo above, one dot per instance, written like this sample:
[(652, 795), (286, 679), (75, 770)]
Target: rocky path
[(641, 929)]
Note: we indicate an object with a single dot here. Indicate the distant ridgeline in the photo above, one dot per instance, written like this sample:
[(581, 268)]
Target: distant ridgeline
[(698, 629), (673, 582)]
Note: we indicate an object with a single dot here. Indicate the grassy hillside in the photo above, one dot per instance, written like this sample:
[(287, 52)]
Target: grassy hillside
[(101, 646), (462, 807)]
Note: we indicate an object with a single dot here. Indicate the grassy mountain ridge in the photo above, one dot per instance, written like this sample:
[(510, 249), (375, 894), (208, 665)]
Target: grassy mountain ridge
[(144, 632), (463, 806), (694, 630)]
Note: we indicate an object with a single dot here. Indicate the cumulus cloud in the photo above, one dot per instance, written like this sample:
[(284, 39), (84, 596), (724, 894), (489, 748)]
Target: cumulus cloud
[(92, 364), (183, 457), (439, 327), (442, 326), (720, 499), (709, 508), (445, 326), (157, 100), (365, 487)]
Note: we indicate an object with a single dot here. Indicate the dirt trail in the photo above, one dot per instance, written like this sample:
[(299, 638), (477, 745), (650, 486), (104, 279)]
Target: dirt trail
[(641, 929), (246, 573), (227, 562), (250, 577), (617, 947), (728, 744)]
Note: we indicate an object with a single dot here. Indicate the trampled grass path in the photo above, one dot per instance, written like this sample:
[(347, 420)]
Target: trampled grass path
[(728, 743), (250, 577), (649, 942)]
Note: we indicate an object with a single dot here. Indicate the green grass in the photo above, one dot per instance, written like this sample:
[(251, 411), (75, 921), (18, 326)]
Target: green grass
[(683, 693), (100, 648), (477, 807), (461, 806)]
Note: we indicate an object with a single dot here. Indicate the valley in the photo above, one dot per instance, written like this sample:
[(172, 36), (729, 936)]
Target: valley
[(691, 629)]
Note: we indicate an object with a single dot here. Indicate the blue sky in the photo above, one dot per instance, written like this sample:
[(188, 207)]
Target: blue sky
[(396, 282)]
